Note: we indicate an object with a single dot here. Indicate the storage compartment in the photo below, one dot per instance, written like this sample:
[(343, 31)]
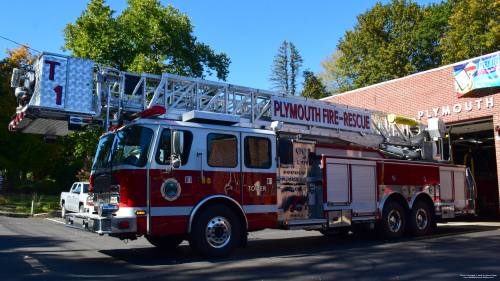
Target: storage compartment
[(393, 174), (337, 181), (364, 189), (459, 181), (446, 186), (420, 174)]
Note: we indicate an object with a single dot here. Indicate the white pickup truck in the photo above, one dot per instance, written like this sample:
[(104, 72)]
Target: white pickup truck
[(76, 200)]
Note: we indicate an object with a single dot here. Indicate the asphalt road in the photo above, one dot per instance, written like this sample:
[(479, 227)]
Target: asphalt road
[(44, 249)]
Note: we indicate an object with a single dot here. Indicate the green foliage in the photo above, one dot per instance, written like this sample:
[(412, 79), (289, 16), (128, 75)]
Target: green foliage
[(47, 186), (473, 30), (5, 200), (285, 68), (279, 69), (331, 75), (65, 175), (146, 37), (77, 146), (429, 33), (49, 207), (295, 65), (313, 87), (391, 41)]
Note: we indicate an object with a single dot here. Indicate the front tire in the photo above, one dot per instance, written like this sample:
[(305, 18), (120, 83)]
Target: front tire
[(419, 221), (63, 211), (393, 220), (215, 233), (81, 209), (165, 242)]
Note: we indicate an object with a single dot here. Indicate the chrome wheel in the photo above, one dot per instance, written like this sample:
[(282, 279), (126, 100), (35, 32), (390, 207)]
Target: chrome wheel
[(394, 220), (421, 218), (218, 232)]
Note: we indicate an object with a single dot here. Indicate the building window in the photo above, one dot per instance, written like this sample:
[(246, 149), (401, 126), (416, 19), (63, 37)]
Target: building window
[(257, 153), (222, 150)]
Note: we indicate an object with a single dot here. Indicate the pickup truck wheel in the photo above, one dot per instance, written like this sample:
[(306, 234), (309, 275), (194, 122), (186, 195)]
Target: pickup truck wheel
[(215, 233), (82, 210), (392, 224), (419, 220), (164, 242), (63, 210)]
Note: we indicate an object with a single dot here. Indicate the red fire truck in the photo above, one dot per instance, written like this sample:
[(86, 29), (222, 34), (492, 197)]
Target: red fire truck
[(209, 162)]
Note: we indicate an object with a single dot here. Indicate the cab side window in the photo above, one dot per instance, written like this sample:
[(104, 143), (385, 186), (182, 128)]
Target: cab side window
[(165, 145), (257, 153), (222, 150), (77, 189)]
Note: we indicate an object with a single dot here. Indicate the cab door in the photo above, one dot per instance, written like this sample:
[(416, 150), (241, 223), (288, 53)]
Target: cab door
[(259, 179), (221, 163), (73, 197), (171, 190)]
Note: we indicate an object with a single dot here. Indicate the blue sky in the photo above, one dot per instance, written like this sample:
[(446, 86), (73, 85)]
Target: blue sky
[(249, 32)]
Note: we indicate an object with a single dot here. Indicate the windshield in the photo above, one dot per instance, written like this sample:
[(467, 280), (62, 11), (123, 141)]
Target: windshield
[(85, 188), (102, 155), (129, 146)]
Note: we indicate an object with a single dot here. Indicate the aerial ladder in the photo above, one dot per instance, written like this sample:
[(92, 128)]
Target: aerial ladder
[(59, 94)]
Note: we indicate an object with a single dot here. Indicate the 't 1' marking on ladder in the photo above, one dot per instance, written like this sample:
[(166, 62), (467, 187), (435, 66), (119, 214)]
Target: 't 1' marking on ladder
[(58, 90)]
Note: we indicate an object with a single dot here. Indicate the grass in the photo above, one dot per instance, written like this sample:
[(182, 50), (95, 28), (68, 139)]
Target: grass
[(22, 203)]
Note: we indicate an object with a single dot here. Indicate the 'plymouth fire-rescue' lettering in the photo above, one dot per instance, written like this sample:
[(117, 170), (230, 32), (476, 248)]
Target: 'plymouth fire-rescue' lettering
[(319, 115)]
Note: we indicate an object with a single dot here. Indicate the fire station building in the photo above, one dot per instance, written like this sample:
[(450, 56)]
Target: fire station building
[(466, 95)]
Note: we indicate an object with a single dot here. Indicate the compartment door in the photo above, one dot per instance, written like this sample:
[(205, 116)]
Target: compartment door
[(446, 185), (364, 189), (459, 180), (337, 182)]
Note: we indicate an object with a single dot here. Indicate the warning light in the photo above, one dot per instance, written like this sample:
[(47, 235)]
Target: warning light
[(154, 111), (139, 213)]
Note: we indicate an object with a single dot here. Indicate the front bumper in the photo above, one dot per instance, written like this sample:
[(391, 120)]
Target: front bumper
[(100, 225)]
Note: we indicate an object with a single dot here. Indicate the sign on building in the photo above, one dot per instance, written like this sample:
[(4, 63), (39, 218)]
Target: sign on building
[(477, 74)]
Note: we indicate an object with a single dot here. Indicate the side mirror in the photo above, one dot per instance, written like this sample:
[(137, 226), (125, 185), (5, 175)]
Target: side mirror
[(176, 164), (178, 142)]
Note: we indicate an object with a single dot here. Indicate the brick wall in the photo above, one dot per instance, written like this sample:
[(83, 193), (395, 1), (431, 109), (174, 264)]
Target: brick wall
[(428, 92)]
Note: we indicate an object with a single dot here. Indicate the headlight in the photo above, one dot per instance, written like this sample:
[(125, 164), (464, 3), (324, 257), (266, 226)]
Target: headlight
[(114, 200), (90, 200)]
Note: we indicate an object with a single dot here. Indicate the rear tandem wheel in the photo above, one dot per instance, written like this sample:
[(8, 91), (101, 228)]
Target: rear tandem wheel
[(392, 224)]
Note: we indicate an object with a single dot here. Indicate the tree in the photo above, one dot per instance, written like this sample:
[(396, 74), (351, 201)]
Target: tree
[(279, 69), (285, 68), (295, 64), (146, 37), (430, 32), (331, 74), (389, 42), (313, 87), (473, 30), (21, 153)]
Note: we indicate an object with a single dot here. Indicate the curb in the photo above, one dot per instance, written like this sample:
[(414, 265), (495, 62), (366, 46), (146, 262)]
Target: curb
[(14, 215), (55, 214)]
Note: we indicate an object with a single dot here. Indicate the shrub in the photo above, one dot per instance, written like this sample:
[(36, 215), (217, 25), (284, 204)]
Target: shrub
[(47, 186), (65, 175), (5, 200)]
